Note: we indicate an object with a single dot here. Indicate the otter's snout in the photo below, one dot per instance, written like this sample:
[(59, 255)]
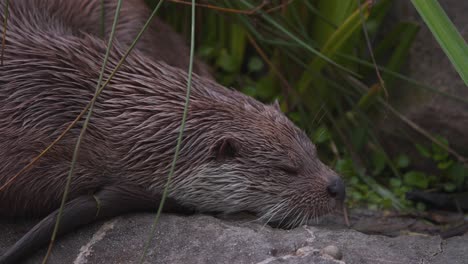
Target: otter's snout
[(336, 189)]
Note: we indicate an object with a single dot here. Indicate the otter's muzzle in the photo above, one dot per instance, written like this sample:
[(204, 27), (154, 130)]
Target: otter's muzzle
[(336, 189)]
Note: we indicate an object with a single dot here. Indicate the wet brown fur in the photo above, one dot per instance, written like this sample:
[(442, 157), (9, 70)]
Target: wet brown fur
[(237, 153)]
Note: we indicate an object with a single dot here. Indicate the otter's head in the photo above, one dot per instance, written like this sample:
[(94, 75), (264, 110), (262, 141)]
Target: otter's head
[(255, 159)]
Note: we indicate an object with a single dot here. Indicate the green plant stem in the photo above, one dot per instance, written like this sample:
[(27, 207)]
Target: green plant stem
[(463, 160), (82, 133), (406, 79), (332, 45), (369, 47), (179, 138), (298, 40)]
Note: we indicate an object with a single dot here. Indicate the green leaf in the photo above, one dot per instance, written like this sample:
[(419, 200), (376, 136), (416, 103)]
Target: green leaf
[(207, 52), (321, 135), (445, 164), (354, 180), (416, 179), (250, 90), (433, 179), (395, 182), (345, 167), (449, 187), (423, 151), (255, 64), (387, 203), (457, 173), (421, 207), (295, 117), (446, 34), (227, 79), (439, 153), (378, 160), (226, 62), (402, 161), (357, 196), (359, 137), (267, 88), (381, 191)]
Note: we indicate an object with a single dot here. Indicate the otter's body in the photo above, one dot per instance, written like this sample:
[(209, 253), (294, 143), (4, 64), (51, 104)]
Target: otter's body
[(237, 153)]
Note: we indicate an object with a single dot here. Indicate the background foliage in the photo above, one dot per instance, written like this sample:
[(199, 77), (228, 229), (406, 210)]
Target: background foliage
[(314, 57)]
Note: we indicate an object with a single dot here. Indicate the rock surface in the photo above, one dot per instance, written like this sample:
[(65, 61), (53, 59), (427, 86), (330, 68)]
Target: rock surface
[(205, 239)]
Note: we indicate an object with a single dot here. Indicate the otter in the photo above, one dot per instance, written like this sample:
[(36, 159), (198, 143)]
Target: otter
[(84, 17), (237, 154)]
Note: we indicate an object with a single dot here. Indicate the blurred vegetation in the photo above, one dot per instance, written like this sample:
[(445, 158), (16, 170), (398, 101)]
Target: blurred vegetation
[(313, 56)]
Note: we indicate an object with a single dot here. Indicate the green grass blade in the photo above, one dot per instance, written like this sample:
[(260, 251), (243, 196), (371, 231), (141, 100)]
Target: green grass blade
[(337, 11), (446, 34), (333, 44), (399, 76), (82, 132), (179, 138), (401, 51), (399, 41), (379, 12), (278, 26), (238, 41)]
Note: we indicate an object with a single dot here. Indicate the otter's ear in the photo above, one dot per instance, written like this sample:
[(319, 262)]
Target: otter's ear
[(276, 105), (225, 148)]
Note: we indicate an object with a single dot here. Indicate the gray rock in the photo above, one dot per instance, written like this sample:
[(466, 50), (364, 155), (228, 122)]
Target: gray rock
[(205, 239)]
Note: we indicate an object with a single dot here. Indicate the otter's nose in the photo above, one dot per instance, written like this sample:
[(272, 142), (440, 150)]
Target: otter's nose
[(336, 189)]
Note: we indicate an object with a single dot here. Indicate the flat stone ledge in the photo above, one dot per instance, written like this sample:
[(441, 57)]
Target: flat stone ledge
[(205, 239)]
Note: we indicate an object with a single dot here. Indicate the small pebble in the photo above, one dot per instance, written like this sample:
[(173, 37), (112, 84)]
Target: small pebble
[(304, 251), (333, 251)]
